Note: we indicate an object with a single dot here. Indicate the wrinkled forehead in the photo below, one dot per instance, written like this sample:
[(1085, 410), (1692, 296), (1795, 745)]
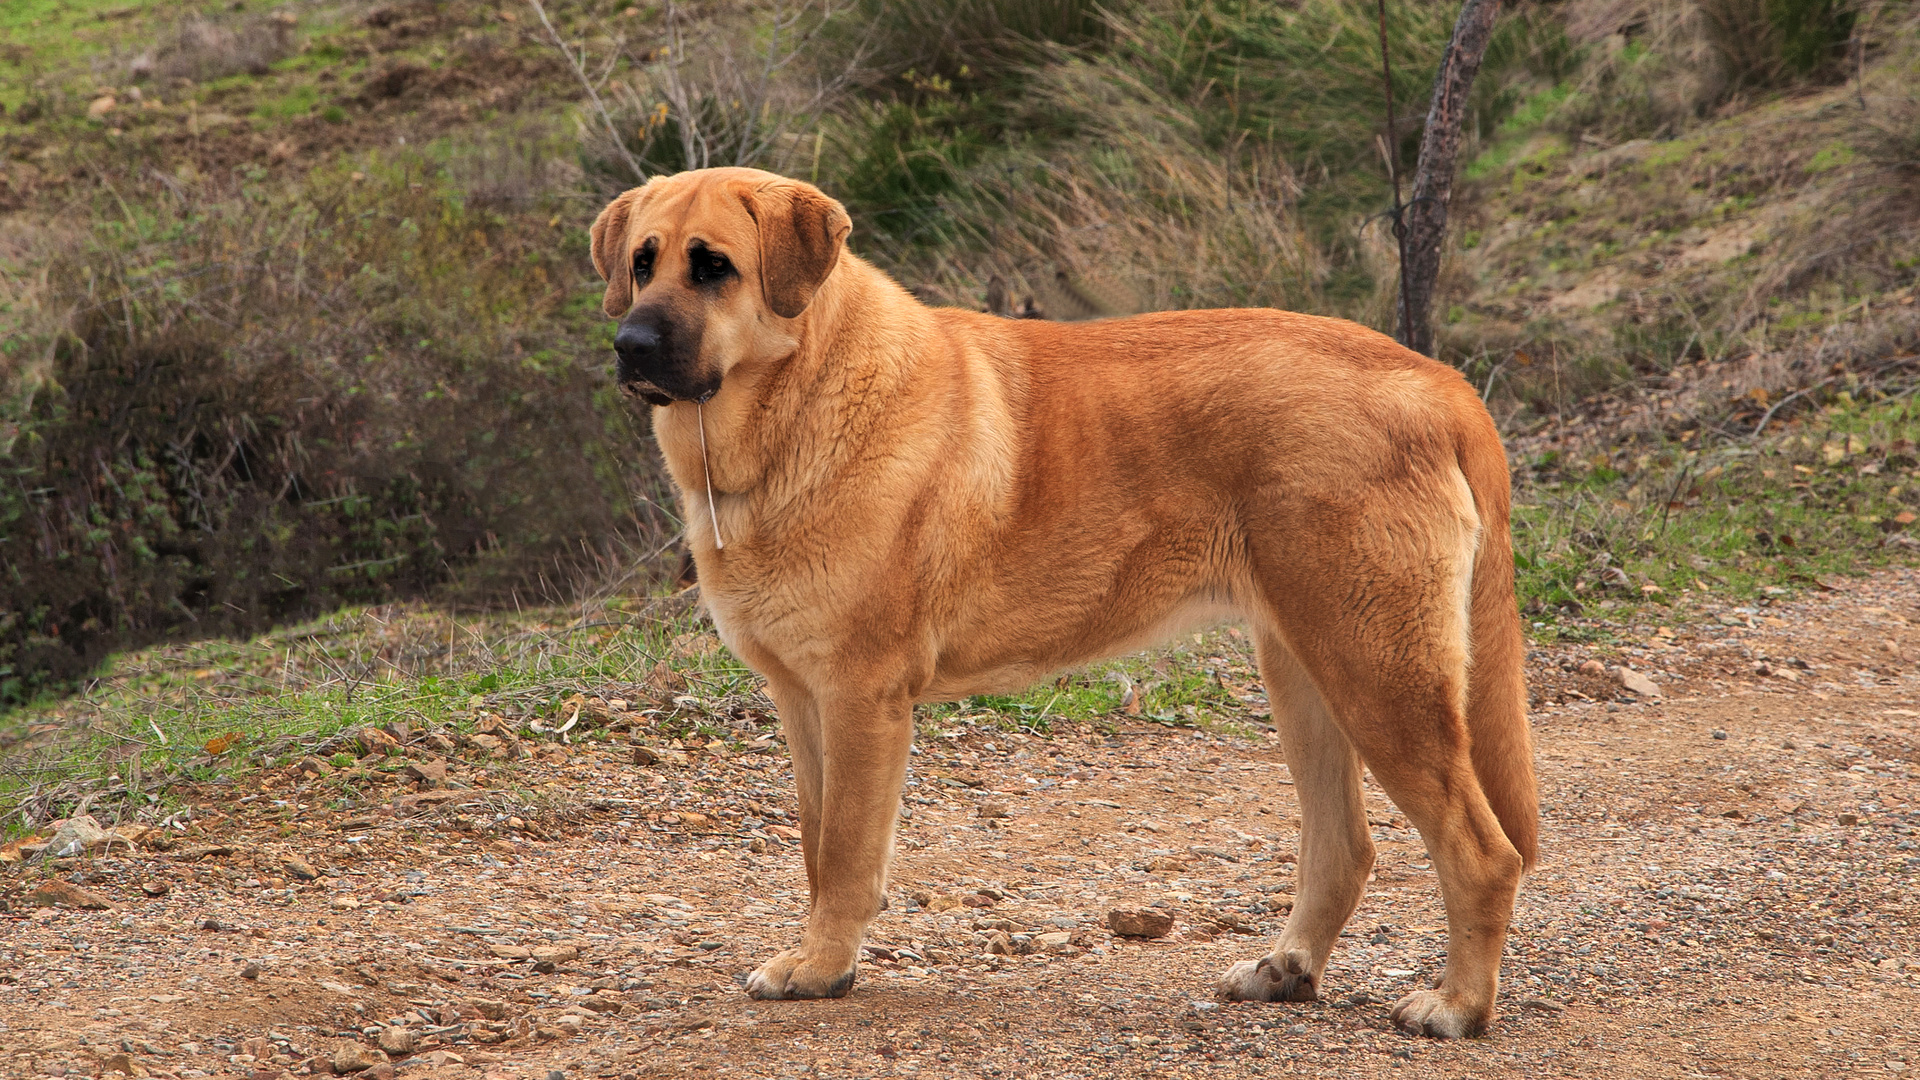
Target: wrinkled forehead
[(685, 212)]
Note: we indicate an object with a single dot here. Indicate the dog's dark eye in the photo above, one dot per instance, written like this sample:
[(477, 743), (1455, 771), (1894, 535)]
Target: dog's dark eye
[(709, 267), (643, 264)]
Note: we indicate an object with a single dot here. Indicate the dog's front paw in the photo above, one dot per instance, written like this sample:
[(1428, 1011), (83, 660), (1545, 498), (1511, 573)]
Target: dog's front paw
[(1440, 1015), (792, 975), (1288, 977)]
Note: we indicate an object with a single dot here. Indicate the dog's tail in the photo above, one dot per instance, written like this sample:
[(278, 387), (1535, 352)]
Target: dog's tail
[(1496, 679)]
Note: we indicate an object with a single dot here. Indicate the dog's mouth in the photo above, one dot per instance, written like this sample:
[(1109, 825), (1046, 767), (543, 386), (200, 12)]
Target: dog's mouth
[(646, 392), (653, 394)]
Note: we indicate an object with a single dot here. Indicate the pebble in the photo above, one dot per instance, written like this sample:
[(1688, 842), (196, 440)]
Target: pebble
[(1140, 922), (250, 972)]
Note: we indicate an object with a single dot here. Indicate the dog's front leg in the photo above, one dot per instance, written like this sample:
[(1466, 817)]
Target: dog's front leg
[(855, 750)]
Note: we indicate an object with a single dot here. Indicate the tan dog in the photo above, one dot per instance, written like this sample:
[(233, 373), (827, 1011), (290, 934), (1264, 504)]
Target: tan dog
[(914, 504)]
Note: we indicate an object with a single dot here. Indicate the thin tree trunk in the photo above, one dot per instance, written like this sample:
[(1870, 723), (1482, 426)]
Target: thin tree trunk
[(1426, 214)]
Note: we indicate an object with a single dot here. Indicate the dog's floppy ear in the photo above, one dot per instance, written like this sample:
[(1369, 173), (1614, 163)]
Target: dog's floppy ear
[(801, 231), (612, 252)]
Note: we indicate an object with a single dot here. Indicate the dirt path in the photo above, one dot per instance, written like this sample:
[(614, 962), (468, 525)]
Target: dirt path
[(1726, 889)]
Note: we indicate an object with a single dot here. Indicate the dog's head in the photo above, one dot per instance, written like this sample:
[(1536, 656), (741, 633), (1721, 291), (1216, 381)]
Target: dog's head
[(706, 270)]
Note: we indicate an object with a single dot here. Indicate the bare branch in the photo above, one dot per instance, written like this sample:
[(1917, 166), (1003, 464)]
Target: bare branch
[(593, 95)]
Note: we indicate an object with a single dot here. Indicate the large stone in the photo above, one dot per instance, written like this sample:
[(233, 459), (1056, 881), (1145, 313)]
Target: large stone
[(1140, 922), (1635, 683), (398, 1041), (430, 774), (76, 836), (57, 893), (555, 954), (353, 1057)]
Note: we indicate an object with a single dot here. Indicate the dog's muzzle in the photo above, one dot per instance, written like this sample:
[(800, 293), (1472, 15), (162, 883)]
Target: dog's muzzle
[(643, 368)]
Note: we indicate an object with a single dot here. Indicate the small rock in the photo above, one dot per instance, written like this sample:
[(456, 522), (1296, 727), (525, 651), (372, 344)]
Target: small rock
[(430, 774), (372, 740), (398, 1041), (492, 1010), (993, 808), (1000, 943), (353, 1057), (250, 972), (555, 954), (1541, 1005), (487, 745), (1848, 819), (156, 889), (1140, 922), (1719, 734), (1636, 683), (602, 1004), (1592, 667), (101, 106), (311, 766), (644, 755), (344, 903), (258, 1047), (977, 900), (299, 868), (57, 893), (509, 952), (122, 1063), (76, 836)]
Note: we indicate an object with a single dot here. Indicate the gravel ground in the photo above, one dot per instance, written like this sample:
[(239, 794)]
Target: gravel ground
[(1726, 888)]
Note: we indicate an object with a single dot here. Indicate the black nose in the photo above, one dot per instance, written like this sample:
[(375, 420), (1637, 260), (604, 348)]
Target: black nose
[(636, 341)]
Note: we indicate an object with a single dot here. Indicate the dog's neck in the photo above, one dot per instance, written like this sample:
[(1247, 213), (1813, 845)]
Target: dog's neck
[(827, 396)]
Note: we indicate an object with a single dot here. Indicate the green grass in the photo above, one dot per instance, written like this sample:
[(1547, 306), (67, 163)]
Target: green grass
[(200, 711), (47, 35), (1672, 524)]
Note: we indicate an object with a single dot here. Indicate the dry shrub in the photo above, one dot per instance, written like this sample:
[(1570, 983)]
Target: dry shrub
[(964, 40), (226, 408), (515, 167), (200, 49)]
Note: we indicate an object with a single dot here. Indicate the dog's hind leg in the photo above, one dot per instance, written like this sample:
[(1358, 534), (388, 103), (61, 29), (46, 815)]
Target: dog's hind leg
[(1379, 616), (1336, 852), (855, 755)]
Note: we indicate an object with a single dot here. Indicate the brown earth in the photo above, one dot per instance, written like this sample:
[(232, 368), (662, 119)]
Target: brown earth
[(1726, 889)]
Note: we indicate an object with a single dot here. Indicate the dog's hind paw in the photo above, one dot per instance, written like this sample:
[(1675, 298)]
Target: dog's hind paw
[(1288, 977), (1440, 1015), (792, 976)]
